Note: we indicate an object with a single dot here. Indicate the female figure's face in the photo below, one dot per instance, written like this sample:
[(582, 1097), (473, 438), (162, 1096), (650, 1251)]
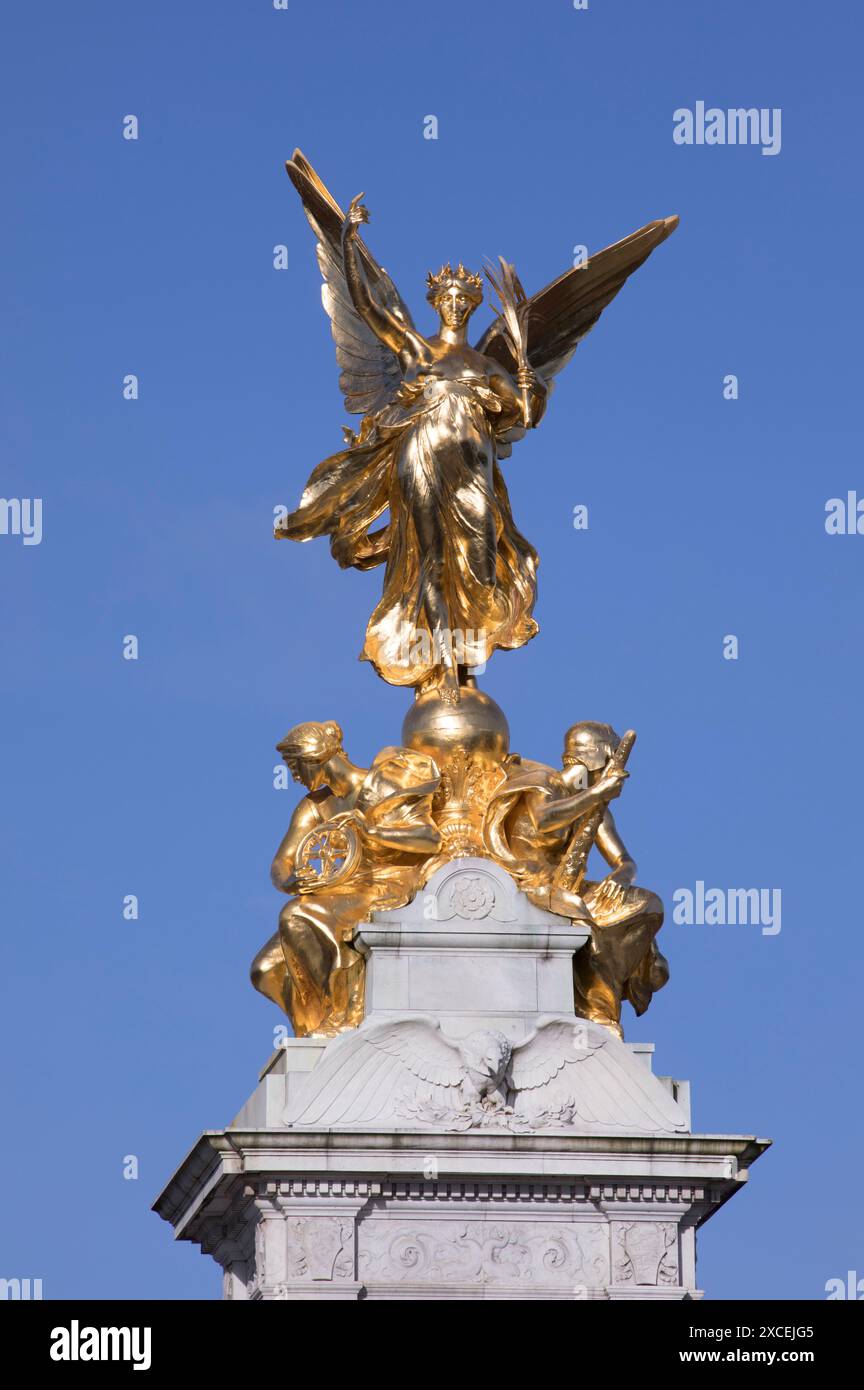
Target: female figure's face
[(454, 307), (311, 774)]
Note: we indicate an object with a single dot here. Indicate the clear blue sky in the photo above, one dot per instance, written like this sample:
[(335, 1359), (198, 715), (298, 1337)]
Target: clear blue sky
[(154, 777)]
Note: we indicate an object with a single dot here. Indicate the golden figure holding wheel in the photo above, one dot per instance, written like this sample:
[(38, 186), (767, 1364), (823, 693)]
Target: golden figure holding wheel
[(356, 842), (331, 854)]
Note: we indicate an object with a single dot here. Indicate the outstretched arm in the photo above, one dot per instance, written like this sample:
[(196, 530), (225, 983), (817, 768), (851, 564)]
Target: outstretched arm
[(385, 325)]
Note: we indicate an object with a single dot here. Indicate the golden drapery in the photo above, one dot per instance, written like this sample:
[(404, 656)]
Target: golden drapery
[(436, 447)]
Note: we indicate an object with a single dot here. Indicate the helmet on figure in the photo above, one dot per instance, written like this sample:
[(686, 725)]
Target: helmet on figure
[(314, 743), (590, 744)]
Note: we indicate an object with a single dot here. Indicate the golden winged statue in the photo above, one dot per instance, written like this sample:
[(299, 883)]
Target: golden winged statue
[(437, 417)]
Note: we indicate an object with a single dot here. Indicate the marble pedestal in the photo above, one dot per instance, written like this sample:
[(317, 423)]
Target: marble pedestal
[(472, 1139)]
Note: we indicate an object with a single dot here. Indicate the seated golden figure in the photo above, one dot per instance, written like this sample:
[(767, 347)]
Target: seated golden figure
[(531, 820), (358, 842)]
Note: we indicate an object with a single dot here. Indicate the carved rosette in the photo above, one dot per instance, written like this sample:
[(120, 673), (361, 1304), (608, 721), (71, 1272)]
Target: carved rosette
[(472, 896)]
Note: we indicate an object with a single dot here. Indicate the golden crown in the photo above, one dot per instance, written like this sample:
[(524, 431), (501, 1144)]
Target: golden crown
[(468, 282)]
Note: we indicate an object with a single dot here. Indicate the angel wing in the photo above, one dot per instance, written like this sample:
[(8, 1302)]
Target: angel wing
[(558, 317), (370, 371), (577, 1073), (362, 1073)]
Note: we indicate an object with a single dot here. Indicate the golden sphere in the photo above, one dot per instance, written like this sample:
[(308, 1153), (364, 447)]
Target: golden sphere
[(477, 726)]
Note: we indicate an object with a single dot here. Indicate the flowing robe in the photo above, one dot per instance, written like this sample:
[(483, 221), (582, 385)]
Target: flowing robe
[(436, 447)]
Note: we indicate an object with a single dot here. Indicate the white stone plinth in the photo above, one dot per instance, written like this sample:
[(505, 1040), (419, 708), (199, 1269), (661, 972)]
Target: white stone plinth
[(472, 950), (472, 1139)]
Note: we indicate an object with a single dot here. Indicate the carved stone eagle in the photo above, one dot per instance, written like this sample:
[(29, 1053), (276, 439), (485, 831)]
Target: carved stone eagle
[(405, 1072)]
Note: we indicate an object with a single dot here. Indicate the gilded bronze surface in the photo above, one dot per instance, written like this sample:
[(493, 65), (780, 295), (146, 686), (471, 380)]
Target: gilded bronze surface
[(380, 820), (452, 789), (459, 583), (535, 821), (438, 415)]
